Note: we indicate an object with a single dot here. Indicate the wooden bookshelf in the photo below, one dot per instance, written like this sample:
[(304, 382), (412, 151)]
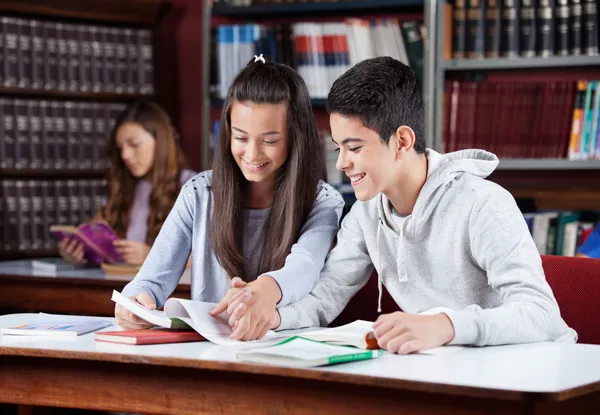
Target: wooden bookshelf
[(53, 94), (519, 63), (51, 173), (551, 183), (68, 120), (138, 12), (548, 164), (309, 9)]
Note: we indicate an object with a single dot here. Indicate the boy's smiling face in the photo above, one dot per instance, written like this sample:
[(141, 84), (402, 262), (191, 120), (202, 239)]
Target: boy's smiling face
[(363, 156)]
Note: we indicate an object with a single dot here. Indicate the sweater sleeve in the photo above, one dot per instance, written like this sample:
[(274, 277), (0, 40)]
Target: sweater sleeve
[(502, 246), (166, 261), (346, 271), (307, 256)]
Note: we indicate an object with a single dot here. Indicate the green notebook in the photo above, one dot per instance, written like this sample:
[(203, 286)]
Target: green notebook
[(300, 352)]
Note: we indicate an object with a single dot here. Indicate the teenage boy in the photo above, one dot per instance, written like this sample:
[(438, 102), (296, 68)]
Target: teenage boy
[(435, 230)]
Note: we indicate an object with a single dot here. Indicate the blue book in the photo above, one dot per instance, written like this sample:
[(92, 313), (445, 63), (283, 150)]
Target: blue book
[(54, 327)]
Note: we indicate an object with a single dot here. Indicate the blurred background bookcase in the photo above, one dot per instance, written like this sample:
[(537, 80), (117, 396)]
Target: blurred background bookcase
[(67, 69), (520, 78)]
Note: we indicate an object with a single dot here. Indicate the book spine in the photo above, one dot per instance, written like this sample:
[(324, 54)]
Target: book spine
[(24, 54), (510, 29), (546, 28), (38, 64), (590, 27), (35, 134), (11, 57), (576, 27), (528, 28), (475, 30), (562, 28), (492, 29)]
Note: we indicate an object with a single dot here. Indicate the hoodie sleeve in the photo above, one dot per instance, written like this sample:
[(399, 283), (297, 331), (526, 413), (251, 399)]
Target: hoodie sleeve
[(166, 261), (346, 271), (305, 261), (502, 246)]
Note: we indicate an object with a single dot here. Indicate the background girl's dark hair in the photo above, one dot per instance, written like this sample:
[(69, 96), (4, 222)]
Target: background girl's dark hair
[(296, 182), (169, 161)]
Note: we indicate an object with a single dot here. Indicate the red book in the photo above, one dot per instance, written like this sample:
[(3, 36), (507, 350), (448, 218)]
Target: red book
[(149, 336)]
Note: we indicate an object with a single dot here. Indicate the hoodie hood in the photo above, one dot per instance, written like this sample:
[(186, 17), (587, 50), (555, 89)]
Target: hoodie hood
[(442, 170)]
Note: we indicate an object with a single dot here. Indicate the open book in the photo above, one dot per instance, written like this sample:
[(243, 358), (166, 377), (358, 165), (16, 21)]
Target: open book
[(180, 313), (359, 334), (300, 352), (97, 239)]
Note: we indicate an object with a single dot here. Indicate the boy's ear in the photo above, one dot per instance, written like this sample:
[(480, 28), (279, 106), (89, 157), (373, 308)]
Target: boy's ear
[(404, 139)]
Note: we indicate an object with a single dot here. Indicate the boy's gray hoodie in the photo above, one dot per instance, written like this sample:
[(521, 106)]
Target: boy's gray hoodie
[(465, 247)]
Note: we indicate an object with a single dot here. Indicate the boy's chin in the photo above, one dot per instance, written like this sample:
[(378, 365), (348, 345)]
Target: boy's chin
[(365, 196)]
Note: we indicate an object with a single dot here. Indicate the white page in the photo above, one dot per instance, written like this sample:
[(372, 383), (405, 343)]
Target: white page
[(155, 317), (214, 329), (358, 328)]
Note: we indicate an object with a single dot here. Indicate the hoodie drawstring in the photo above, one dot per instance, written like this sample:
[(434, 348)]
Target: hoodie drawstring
[(379, 277)]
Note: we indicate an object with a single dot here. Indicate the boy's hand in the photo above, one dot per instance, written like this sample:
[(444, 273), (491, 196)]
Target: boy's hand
[(133, 252), (130, 321), (238, 289), (251, 308), (408, 333)]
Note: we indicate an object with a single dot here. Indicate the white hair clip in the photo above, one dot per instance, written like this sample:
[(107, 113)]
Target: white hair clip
[(259, 58)]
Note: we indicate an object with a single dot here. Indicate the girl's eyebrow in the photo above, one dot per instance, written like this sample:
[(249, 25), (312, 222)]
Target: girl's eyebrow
[(267, 133)]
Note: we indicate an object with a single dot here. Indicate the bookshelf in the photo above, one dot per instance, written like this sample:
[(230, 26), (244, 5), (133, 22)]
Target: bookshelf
[(499, 64), (66, 71), (308, 9), (525, 92), (443, 68)]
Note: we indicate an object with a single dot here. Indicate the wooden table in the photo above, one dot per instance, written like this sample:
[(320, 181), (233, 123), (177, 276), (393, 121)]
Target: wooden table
[(543, 378), (84, 291)]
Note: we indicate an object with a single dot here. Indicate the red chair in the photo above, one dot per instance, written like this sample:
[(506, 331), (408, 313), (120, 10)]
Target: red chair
[(576, 285), (574, 281)]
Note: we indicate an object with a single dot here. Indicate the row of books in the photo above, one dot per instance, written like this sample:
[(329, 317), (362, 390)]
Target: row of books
[(29, 207), (50, 55), (560, 233), (321, 52), (53, 135), (522, 28), (520, 120), (584, 142)]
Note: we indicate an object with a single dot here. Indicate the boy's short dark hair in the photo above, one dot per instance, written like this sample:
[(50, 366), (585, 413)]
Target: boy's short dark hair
[(383, 94)]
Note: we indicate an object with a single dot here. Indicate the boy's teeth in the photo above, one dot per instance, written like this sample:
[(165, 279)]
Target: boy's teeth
[(356, 178)]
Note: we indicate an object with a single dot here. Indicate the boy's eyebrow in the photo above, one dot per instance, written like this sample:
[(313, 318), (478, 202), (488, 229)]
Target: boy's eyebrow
[(348, 140), (267, 133)]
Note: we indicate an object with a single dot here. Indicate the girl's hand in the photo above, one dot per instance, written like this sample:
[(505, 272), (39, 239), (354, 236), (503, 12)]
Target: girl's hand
[(71, 250), (133, 252)]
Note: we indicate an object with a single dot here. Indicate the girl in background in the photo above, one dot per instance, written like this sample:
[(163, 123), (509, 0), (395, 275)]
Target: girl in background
[(147, 170)]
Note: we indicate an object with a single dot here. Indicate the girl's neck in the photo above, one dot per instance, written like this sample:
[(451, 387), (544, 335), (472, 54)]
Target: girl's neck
[(260, 195)]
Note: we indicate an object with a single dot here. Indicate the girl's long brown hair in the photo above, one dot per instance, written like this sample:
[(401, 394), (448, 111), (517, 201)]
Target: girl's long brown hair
[(297, 179), (164, 176)]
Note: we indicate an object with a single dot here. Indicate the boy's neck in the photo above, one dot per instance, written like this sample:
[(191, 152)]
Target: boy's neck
[(403, 193)]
